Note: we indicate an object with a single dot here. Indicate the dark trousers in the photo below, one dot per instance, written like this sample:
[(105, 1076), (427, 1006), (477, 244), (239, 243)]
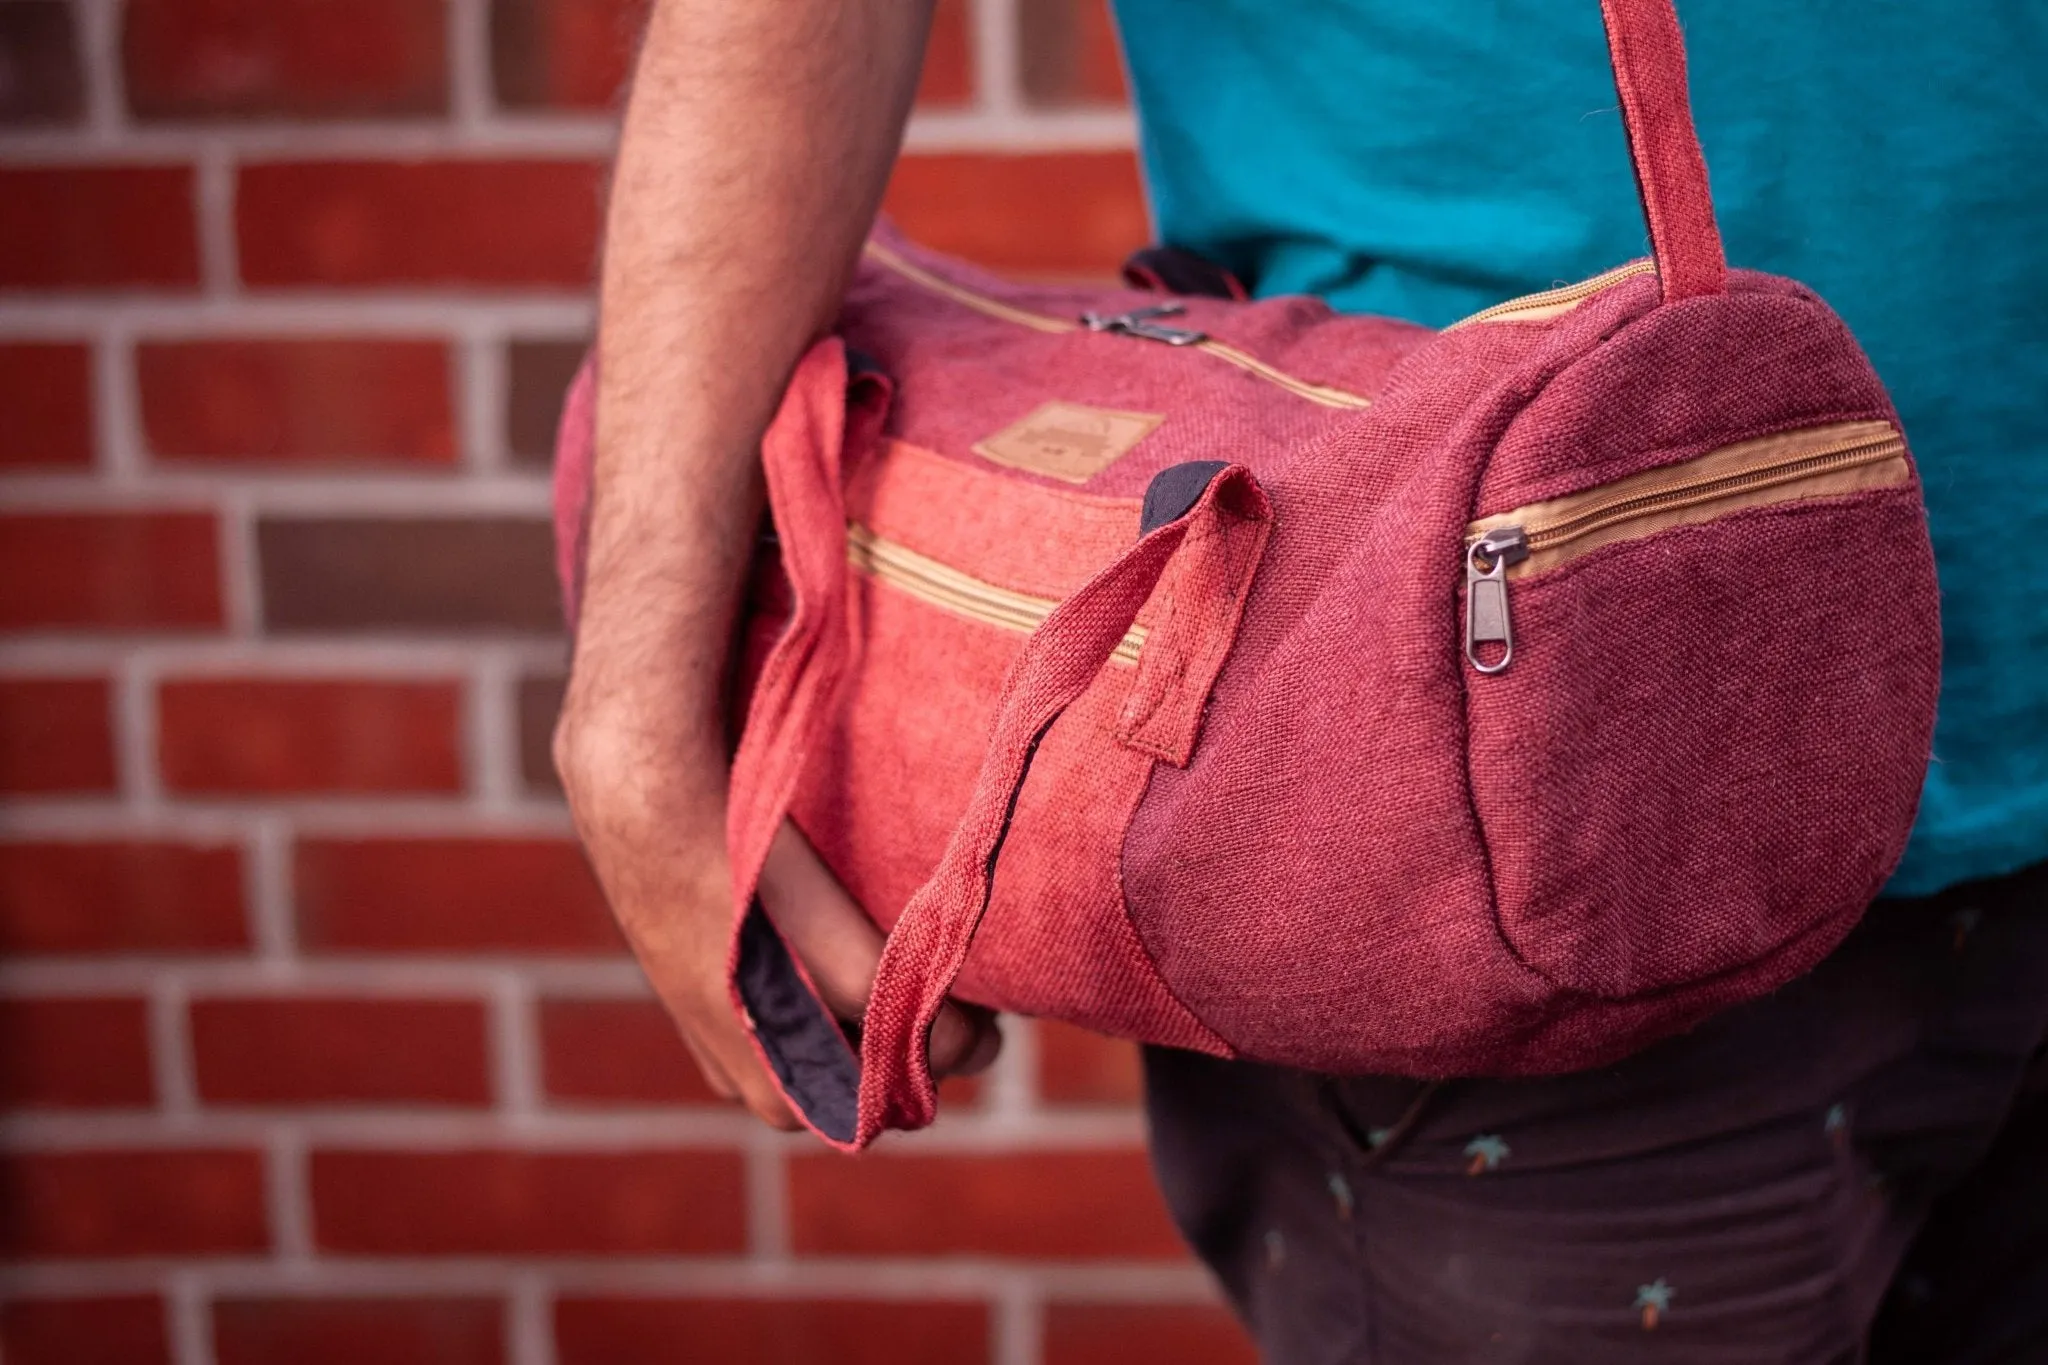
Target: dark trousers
[(1853, 1170)]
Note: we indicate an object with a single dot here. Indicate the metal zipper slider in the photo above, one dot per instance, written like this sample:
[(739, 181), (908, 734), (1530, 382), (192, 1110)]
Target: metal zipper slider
[(1139, 323), (1486, 595)]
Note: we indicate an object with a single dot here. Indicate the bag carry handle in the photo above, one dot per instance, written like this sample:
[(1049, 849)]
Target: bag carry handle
[(1212, 550), (1208, 554), (1647, 52)]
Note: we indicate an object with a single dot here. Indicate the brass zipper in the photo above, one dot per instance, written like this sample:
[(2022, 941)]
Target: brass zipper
[(949, 589), (1549, 303), (1321, 394), (1827, 461)]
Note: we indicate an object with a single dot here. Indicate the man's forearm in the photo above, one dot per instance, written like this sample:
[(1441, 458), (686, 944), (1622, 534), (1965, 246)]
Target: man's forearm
[(756, 145)]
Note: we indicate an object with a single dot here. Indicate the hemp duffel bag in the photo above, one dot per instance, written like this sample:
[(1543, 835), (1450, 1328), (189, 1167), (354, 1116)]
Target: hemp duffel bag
[(1326, 690)]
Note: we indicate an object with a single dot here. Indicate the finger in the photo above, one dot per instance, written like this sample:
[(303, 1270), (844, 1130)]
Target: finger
[(964, 1039), (728, 1047), (714, 1074), (831, 935), (715, 1037), (760, 1096), (840, 947), (988, 1045)]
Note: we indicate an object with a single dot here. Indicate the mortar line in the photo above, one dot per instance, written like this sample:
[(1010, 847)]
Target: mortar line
[(491, 729), (134, 687), (173, 1069), (116, 405), (767, 1189), (470, 96), (287, 1174), (985, 124), (1017, 1323), (997, 86), (515, 1049), (481, 387), (188, 1309), (99, 55), (213, 202), (241, 563), (267, 882), (529, 1320)]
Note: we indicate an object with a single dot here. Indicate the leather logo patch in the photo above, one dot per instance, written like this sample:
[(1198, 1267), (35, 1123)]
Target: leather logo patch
[(1067, 441)]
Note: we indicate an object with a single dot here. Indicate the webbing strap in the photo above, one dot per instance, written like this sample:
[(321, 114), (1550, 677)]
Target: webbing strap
[(1647, 52)]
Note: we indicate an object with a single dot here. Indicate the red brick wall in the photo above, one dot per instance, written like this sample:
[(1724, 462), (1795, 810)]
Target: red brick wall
[(315, 1041)]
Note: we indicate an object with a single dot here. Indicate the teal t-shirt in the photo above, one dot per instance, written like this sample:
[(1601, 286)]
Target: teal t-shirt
[(1427, 159)]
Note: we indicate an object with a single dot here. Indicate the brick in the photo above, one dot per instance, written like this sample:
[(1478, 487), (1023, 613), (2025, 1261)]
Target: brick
[(540, 701), (1117, 1333), (644, 1331), (356, 58), (46, 392), (109, 571), (1079, 1067), (358, 1331), (616, 1052), (500, 1202), (538, 376), (120, 897), (40, 78), (1042, 1205), (1053, 214), (450, 896), (563, 54), (267, 1050), (948, 75), (1068, 54), (184, 1202), (97, 227), (129, 1330), (297, 401), (408, 574), (441, 223), (68, 1052), (56, 736), (282, 736), (578, 54)]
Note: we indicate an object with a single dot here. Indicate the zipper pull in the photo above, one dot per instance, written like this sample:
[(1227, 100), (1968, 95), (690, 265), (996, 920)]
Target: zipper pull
[(1486, 595), (1139, 322)]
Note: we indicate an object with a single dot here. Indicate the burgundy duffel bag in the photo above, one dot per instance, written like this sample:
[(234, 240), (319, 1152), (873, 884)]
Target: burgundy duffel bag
[(1328, 690)]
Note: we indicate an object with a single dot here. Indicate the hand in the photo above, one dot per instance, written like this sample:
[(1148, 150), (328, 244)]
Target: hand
[(653, 822)]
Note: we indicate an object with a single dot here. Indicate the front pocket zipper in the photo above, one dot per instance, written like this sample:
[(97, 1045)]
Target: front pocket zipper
[(1818, 462), (1133, 324), (962, 594)]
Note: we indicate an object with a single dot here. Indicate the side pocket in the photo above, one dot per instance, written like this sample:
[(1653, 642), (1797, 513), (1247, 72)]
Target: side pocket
[(1710, 742)]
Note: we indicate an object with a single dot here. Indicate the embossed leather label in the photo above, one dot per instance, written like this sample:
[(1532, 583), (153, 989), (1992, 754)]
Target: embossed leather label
[(1068, 441)]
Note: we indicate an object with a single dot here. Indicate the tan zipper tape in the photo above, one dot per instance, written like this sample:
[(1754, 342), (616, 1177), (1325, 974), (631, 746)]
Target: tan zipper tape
[(980, 303), (949, 589), (1550, 303), (1817, 462), (1039, 322), (1301, 388)]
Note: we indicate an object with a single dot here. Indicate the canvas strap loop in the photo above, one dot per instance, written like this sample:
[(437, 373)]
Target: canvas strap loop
[(1647, 51)]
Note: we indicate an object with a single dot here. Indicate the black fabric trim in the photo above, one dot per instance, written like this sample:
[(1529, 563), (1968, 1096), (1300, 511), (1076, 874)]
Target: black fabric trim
[(1176, 270), (803, 1043), (1175, 490)]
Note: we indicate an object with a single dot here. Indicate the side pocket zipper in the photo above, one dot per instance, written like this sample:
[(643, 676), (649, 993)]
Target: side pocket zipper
[(1815, 462)]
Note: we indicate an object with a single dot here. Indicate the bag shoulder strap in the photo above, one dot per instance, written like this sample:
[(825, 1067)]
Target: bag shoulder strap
[(1647, 51)]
